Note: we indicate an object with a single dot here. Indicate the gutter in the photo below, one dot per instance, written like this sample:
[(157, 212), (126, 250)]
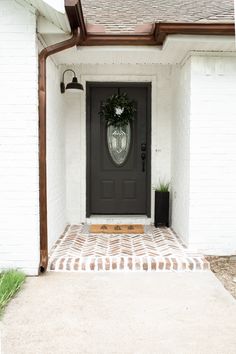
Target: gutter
[(163, 29), (159, 33), (75, 16), (43, 55)]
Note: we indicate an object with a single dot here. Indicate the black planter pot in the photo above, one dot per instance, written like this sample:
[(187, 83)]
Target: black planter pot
[(161, 209)]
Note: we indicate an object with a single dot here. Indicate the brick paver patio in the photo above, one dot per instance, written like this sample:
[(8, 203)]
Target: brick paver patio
[(158, 249)]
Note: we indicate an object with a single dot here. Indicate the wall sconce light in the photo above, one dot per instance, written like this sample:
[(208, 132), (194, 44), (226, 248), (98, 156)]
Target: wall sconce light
[(72, 86)]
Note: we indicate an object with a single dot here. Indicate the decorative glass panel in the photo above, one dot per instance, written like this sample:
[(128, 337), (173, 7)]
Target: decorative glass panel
[(118, 140)]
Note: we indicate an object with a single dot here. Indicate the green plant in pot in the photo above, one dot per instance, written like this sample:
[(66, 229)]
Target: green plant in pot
[(162, 196)]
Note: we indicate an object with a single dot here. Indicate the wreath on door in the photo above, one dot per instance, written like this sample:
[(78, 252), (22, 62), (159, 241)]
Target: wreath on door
[(118, 110)]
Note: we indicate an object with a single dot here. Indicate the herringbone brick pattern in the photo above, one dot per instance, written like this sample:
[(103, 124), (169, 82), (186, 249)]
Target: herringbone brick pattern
[(158, 249)]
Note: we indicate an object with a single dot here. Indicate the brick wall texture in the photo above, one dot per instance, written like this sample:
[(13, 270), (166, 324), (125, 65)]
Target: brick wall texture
[(204, 154), (212, 222), (19, 209)]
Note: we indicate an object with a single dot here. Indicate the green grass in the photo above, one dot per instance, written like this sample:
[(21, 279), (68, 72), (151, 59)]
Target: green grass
[(10, 284), (162, 186)]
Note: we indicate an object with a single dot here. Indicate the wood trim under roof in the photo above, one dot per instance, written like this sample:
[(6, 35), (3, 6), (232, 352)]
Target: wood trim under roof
[(162, 29), (157, 35)]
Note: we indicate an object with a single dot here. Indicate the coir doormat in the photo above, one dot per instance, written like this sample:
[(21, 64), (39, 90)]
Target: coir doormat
[(116, 229)]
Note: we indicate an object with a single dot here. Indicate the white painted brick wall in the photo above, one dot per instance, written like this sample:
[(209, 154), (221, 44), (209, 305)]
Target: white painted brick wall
[(212, 217), (160, 76), (56, 185), (203, 108), (180, 152), (19, 190), (204, 154)]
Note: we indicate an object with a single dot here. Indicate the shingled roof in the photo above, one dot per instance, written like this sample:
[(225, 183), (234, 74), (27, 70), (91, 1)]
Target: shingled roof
[(125, 15)]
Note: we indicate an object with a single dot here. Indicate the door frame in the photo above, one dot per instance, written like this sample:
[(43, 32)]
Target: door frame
[(92, 84)]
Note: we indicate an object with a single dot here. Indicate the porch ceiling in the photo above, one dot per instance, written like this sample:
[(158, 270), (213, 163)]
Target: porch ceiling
[(173, 51)]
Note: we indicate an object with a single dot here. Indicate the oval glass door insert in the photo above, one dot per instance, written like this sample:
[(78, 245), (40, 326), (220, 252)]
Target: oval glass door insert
[(119, 141)]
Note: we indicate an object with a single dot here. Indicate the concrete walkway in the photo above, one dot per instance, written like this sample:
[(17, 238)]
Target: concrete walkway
[(125, 313)]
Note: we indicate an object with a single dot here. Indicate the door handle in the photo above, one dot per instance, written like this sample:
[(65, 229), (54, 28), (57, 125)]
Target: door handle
[(143, 157), (143, 147)]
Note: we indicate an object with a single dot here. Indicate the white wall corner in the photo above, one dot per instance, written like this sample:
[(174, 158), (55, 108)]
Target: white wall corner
[(180, 161), (213, 154)]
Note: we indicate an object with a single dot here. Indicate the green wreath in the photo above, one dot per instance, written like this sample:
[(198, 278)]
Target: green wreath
[(118, 110)]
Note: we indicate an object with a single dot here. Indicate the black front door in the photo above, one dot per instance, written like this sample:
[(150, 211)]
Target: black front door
[(118, 186)]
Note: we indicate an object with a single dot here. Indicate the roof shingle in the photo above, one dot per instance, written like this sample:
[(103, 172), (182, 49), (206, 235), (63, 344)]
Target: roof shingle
[(124, 15)]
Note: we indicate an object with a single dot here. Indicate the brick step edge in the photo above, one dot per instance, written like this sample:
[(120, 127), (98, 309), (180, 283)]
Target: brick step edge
[(120, 263)]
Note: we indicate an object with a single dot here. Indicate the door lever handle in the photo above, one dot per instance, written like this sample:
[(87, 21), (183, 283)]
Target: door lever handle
[(143, 147), (143, 157)]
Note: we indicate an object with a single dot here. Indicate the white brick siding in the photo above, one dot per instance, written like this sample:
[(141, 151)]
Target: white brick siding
[(19, 206), (204, 154), (193, 115), (212, 217)]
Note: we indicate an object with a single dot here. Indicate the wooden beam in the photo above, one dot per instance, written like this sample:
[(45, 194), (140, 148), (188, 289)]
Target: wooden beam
[(159, 34), (162, 29), (118, 39)]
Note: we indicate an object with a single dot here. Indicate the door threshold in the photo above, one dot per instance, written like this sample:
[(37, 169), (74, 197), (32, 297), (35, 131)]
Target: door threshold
[(119, 219)]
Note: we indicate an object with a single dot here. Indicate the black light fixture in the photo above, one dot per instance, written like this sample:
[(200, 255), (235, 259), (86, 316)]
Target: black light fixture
[(72, 86)]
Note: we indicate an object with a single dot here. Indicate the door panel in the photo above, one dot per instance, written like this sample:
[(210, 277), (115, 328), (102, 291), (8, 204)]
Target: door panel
[(112, 188)]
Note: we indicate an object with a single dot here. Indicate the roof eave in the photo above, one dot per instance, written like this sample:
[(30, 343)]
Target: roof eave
[(163, 29), (157, 35)]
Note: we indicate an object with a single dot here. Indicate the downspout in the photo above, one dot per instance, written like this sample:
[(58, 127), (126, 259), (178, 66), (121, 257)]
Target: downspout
[(46, 52)]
